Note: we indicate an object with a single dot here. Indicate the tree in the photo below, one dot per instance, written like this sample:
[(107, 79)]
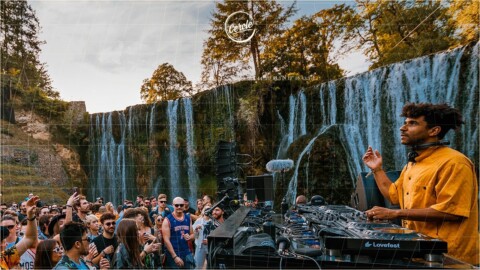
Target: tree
[(393, 31), (219, 66), (166, 83), (222, 58), (465, 16), (306, 49), (20, 47)]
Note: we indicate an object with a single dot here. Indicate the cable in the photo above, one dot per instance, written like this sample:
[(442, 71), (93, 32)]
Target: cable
[(305, 256), (415, 28)]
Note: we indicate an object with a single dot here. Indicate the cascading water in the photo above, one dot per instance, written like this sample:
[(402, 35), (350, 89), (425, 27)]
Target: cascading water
[(191, 164), (173, 167), (284, 137), (292, 186), (373, 102), (470, 112), (141, 146), (151, 120), (325, 98), (296, 122), (108, 158), (224, 98)]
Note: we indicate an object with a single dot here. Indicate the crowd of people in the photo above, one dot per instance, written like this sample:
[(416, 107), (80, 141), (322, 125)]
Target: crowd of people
[(150, 233)]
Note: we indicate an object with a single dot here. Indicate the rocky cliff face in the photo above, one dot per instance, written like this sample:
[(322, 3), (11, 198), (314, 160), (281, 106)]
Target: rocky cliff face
[(32, 160)]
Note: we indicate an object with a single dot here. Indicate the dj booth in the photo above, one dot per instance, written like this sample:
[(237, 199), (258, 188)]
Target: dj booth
[(315, 237)]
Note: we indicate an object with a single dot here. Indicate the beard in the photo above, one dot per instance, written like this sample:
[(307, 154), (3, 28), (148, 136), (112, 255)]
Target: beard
[(409, 141)]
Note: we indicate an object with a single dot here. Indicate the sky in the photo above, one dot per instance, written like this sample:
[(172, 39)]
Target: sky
[(101, 51)]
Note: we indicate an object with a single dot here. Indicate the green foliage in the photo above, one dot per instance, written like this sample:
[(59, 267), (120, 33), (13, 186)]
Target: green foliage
[(393, 31), (465, 17), (166, 83), (304, 51), (37, 100), (224, 60), (247, 115), (20, 47)]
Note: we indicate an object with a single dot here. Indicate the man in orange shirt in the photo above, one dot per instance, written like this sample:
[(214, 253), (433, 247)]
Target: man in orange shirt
[(437, 190)]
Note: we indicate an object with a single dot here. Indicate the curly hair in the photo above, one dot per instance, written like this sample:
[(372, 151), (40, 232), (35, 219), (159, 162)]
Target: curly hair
[(441, 115)]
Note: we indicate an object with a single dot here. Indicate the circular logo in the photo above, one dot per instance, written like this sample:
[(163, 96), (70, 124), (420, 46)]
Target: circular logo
[(239, 27)]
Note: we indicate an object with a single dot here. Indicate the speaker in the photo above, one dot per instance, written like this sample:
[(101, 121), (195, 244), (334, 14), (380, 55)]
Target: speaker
[(263, 186), (225, 162), (367, 194)]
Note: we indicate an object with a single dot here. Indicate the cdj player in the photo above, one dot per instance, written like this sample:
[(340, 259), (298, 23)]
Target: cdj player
[(326, 236)]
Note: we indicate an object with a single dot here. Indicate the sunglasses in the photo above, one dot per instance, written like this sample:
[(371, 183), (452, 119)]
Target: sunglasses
[(10, 226), (179, 205), (159, 220), (58, 249), (21, 234), (108, 224), (162, 201)]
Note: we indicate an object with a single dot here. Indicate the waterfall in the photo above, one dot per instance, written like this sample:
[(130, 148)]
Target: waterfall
[(291, 119), (303, 114), (191, 164), (150, 119), (151, 122), (470, 112), (297, 122), (372, 104), (223, 97), (140, 145), (327, 94), (108, 158), (282, 147), (293, 184), (173, 167)]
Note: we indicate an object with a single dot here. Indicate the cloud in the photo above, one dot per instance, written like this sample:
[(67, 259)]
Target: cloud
[(97, 44)]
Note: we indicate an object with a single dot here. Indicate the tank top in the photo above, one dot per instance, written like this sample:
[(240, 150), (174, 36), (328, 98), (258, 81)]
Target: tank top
[(177, 229)]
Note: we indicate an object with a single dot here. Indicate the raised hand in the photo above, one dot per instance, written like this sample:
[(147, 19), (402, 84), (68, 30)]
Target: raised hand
[(32, 206), (372, 159), (73, 199)]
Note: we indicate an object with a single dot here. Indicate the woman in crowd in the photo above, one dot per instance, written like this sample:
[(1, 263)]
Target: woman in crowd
[(201, 228), (111, 209), (93, 227), (158, 228), (48, 254), (43, 222), (129, 253), (199, 207)]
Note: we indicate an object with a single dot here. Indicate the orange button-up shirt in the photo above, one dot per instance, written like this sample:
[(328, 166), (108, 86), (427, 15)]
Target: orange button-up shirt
[(442, 179)]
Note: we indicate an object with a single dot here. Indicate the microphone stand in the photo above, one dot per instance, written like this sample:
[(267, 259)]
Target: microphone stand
[(283, 204)]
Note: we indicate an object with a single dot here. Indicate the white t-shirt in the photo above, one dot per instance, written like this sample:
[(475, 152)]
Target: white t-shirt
[(201, 234), (27, 260)]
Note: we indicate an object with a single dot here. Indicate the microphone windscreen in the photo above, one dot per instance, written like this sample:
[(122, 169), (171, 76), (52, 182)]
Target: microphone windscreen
[(278, 165)]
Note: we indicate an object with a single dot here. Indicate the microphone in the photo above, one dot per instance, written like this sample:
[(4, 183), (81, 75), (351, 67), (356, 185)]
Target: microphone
[(283, 243), (279, 165)]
